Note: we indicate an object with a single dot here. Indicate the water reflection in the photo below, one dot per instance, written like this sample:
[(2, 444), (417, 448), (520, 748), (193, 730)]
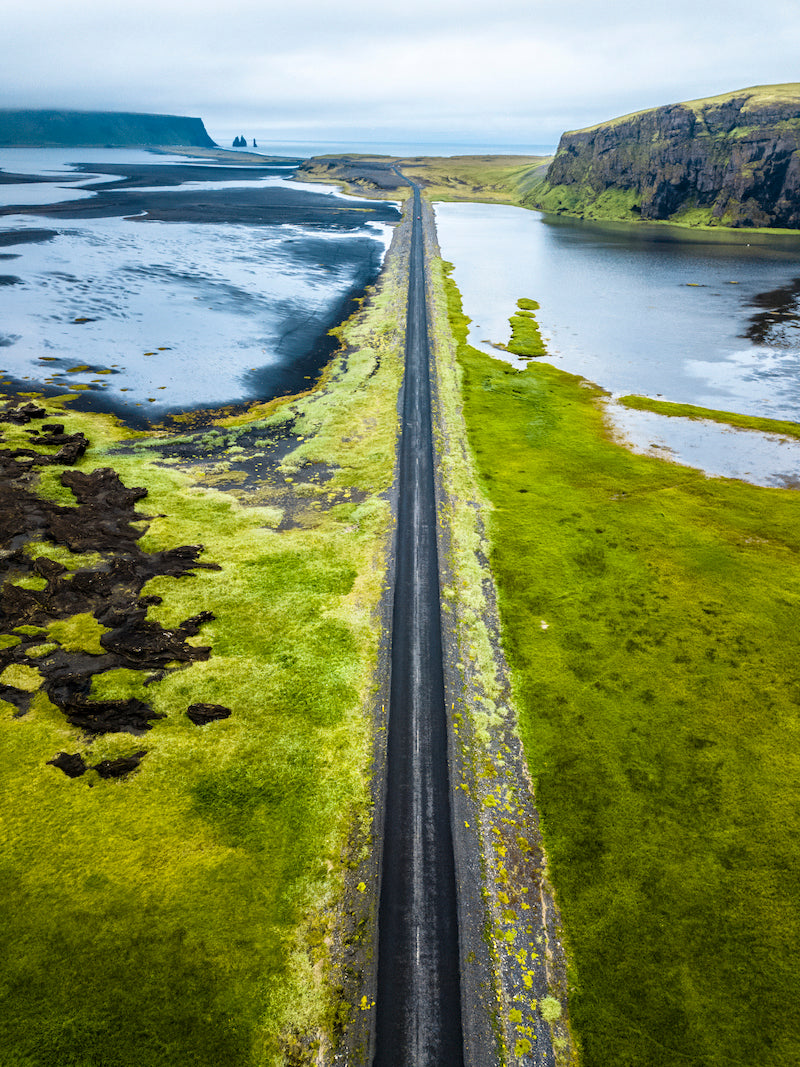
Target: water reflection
[(777, 322), (643, 309)]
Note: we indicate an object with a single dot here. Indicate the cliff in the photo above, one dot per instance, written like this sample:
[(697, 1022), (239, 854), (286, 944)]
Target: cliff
[(731, 160), (110, 129)]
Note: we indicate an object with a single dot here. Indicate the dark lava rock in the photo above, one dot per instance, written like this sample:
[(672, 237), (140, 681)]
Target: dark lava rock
[(191, 627), (72, 450), (18, 698), (103, 521), (72, 765), (47, 568), (119, 768), (140, 642), (202, 714), (102, 488), (22, 414), (131, 716)]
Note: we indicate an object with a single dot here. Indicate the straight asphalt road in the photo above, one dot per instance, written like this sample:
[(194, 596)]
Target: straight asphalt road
[(418, 1011)]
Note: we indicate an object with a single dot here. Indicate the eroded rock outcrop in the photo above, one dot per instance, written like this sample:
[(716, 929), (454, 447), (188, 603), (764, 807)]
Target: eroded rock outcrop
[(732, 160)]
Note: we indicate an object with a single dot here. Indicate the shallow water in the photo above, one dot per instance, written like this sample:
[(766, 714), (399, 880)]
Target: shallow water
[(60, 160), (711, 320), (30, 194), (147, 317), (720, 451)]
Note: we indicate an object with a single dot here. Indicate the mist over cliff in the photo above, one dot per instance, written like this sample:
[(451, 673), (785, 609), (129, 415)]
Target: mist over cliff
[(731, 160), (109, 129)]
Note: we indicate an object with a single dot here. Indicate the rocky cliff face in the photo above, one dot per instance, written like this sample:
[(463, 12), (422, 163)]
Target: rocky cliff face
[(112, 129), (732, 160)]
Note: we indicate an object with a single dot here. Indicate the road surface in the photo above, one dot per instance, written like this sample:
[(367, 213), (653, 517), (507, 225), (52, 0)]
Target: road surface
[(418, 1010)]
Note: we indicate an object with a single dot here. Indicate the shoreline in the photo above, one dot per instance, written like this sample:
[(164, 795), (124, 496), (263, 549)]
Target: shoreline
[(300, 348)]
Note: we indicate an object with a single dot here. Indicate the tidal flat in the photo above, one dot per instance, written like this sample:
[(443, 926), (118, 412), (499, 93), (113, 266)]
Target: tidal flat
[(175, 285)]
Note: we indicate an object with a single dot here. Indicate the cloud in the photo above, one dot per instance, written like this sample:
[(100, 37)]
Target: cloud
[(523, 71)]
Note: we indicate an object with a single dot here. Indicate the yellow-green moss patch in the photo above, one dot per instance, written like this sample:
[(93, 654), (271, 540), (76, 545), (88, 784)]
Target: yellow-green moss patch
[(21, 676)]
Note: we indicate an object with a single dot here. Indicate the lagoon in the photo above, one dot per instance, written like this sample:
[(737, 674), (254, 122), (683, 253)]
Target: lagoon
[(710, 319)]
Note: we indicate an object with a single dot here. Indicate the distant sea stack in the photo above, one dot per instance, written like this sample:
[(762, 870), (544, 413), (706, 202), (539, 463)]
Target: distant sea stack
[(108, 129), (730, 160)]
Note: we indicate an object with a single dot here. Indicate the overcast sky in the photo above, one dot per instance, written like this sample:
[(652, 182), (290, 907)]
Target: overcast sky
[(495, 71)]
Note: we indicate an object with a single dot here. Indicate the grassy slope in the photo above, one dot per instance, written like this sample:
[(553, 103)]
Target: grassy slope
[(757, 96), (489, 179), (650, 617), (183, 916), (622, 205)]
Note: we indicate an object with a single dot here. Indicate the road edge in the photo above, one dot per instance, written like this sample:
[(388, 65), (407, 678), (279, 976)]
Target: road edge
[(512, 955)]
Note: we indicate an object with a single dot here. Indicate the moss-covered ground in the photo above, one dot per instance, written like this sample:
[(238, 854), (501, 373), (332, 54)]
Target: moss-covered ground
[(616, 205), (489, 179), (650, 617), (727, 418), (185, 914), (526, 339)]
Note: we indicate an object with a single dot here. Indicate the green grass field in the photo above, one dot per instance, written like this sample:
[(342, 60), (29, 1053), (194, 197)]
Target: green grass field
[(650, 616), (185, 915), (489, 179)]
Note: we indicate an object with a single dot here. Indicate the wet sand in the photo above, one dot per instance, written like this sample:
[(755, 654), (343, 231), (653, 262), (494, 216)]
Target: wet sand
[(151, 322), (252, 206)]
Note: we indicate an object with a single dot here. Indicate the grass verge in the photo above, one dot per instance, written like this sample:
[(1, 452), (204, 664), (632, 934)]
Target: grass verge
[(649, 615), (187, 914), (495, 818)]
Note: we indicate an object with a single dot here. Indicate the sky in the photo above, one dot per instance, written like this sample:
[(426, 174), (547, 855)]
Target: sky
[(495, 71)]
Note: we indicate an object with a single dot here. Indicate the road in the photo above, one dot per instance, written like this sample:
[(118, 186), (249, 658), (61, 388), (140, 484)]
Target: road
[(418, 1010)]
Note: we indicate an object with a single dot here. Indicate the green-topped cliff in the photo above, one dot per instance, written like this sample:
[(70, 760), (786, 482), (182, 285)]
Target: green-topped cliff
[(112, 129), (730, 160)]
